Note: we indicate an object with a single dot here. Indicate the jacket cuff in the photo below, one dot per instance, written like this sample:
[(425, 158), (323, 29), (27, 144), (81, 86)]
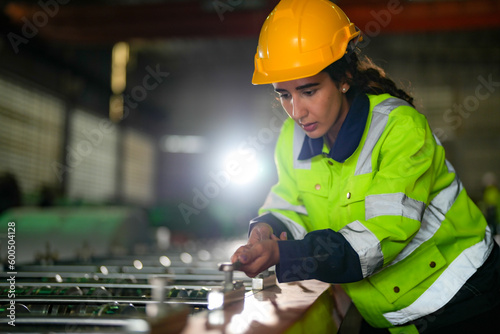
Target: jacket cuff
[(276, 224), (324, 255)]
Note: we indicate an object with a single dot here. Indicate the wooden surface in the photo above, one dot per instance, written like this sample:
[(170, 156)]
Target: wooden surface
[(277, 309)]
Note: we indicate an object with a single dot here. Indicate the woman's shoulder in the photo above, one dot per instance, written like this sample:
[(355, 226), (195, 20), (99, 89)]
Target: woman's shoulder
[(387, 100), (396, 109)]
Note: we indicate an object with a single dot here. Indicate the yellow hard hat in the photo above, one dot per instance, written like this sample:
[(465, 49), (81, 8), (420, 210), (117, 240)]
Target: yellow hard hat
[(299, 39)]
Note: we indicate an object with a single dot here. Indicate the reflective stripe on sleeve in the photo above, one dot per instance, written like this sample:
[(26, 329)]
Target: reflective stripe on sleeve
[(448, 283), (297, 230), (379, 120), (366, 244), (397, 204), (433, 216), (450, 167), (437, 139), (364, 165)]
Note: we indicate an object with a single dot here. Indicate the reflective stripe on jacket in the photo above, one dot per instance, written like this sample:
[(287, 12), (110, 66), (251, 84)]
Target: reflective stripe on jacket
[(397, 202)]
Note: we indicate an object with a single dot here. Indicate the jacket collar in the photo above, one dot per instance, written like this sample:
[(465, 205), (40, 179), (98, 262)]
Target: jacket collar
[(349, 135)]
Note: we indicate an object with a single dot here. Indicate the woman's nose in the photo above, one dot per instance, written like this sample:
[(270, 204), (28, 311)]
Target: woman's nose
[(298, 110)]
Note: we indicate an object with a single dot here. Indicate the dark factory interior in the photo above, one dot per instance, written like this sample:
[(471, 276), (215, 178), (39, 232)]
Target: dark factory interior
[(134, 146)]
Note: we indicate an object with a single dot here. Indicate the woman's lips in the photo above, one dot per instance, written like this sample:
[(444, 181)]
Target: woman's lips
[(309, 127)]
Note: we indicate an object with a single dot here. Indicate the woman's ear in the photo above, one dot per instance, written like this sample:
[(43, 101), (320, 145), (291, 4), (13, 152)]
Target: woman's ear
[(344, 87), (345, 84)]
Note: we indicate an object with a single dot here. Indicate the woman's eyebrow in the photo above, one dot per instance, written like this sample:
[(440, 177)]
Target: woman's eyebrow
[(309, 85)]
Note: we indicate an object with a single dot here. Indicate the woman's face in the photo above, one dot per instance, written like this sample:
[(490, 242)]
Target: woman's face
[(316, 103)]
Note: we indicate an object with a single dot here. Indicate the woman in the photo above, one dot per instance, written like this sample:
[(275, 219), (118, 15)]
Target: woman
[(365, 196)]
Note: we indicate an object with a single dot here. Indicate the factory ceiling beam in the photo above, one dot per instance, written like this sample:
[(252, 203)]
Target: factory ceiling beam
[(101, 23), (425, 15)]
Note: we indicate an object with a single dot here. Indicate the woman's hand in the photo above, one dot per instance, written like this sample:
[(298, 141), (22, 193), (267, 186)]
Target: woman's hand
[(260, 252), (260, 232)]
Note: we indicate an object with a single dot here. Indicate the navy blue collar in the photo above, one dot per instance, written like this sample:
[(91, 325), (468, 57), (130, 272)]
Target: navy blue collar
[(349, 135)]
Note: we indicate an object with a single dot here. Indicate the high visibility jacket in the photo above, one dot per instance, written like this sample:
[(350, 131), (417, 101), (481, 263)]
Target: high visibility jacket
[(396, 212)]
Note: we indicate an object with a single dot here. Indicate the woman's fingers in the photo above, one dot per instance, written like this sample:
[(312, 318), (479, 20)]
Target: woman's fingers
[(261, 251), (260, 232), (238, 252), (259, 257), (283, 236)]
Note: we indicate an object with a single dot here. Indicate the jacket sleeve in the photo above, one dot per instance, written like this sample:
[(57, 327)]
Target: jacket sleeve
[(276, 224), (407, 170), (324, 255)]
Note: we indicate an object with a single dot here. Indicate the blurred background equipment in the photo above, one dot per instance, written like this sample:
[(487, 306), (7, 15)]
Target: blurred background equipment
[(140, 102), (130, 128)]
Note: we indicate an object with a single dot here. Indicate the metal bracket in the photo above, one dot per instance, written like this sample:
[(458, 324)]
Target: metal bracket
[(264, 280), (231, 291)]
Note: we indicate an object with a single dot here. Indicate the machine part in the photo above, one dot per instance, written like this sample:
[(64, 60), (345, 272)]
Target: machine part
[(218, 299), (238, 293), (237, 265), (216, 319), (172, 323), (137, 326), (232, 290), (215, 299), (105, 294), (116, 308), (264, 280), (157, 308), (227, 268)]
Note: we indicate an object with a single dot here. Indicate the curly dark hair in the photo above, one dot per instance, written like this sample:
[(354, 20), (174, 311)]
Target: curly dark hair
[(364, 76)]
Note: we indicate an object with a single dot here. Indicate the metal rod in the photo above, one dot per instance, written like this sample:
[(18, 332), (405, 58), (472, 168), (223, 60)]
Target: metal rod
[(89, 300)]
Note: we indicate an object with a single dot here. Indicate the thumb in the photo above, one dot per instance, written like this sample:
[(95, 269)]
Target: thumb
[(283, 236)]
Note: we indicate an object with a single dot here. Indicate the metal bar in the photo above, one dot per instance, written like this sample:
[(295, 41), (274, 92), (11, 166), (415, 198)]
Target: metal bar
[(101, 300), (89, 321), (178, 277), (106, 285)]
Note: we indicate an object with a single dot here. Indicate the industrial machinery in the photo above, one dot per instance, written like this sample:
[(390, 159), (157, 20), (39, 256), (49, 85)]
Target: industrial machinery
[(115, 282)]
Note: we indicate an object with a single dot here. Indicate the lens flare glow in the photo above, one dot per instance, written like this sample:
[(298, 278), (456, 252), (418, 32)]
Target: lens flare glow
[(242, 168)]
